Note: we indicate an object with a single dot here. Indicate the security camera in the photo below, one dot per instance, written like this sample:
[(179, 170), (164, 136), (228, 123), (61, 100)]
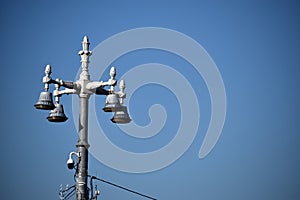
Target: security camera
[(70, 163)]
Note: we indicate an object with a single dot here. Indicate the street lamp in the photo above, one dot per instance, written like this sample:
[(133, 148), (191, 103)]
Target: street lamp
[(84, 88)]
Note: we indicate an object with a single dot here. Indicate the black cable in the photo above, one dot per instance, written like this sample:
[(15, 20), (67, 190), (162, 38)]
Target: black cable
[(66, 190), (65, 196), (121, 187), (70, 194), (91, 185)]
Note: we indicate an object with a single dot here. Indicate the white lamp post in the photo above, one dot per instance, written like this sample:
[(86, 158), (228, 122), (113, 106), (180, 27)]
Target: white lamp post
[(84, 88)]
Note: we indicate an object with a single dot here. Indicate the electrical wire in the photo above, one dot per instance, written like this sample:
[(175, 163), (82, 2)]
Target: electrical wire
[(107, 182), (69, 194), (121, 187)]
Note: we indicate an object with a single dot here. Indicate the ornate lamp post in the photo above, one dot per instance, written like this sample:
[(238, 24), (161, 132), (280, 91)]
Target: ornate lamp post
[(84, 88)]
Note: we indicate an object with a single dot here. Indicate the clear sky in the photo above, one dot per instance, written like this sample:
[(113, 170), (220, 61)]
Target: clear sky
[(254, 44)]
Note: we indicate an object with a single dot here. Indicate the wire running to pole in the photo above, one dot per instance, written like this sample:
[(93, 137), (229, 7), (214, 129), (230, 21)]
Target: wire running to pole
[(66, 194), (121, 187)]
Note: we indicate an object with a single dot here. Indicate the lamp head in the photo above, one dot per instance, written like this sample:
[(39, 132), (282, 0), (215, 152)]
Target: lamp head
[(112, 103), (57, 114), (121, 116), (45, 101)]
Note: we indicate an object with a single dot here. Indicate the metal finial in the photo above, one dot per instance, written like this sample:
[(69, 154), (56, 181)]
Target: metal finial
[(85, 43), (122, 85), (112, 72), (48, 70)]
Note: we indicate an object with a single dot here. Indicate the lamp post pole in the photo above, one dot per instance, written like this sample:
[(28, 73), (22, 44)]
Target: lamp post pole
[(84, 88), (82, 145)]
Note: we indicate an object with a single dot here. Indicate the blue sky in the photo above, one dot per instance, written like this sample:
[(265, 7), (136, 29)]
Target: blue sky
[(255, 45)]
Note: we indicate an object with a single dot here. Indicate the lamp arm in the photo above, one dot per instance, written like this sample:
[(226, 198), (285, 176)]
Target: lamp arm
[(65, 91), (94, 85), (67, 84)]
